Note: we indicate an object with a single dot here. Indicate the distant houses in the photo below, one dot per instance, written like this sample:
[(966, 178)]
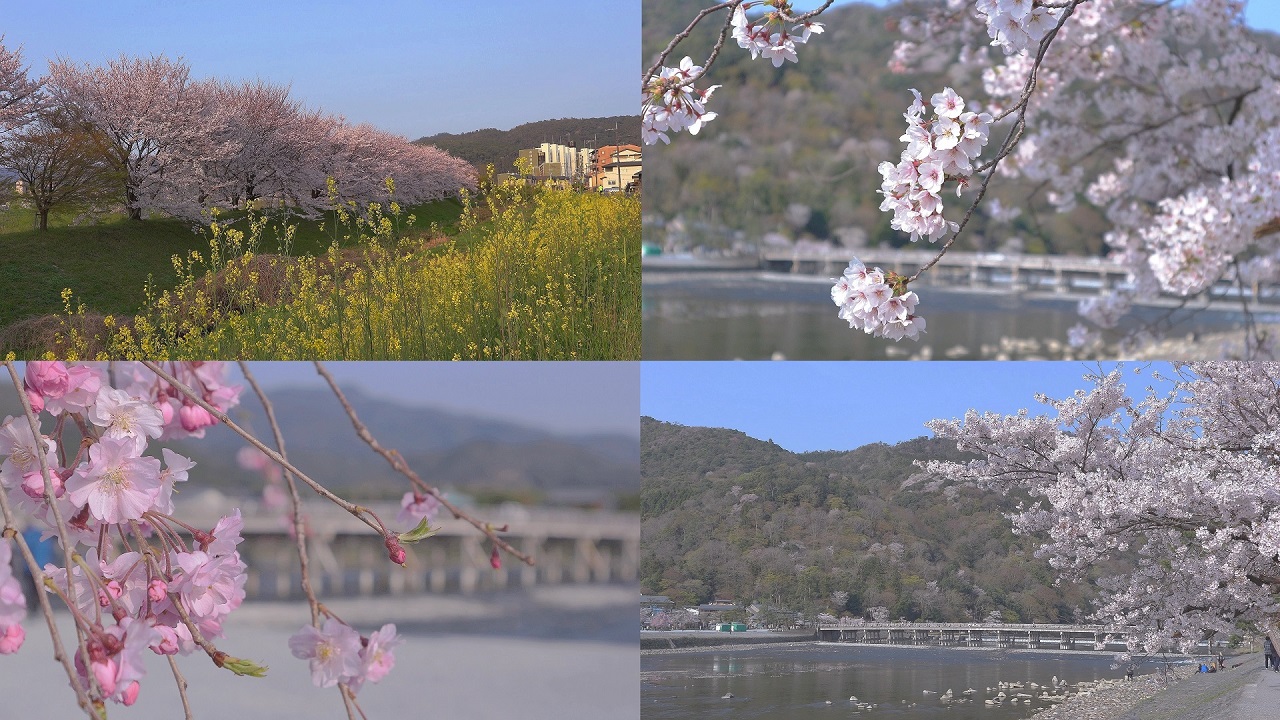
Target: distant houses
[(611, 168)]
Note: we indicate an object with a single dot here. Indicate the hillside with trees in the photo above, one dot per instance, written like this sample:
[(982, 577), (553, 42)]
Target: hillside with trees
[(726, 516), (500, 148)]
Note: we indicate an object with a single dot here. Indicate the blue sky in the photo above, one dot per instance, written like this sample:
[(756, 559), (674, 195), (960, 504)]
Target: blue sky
[(1261, 14), (840, 406), (412, 67)]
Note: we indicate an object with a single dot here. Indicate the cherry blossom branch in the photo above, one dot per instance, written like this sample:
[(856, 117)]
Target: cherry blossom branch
[(63, 534), (299, 531), (363, 514), (684, 34), (1011, 140), (399, 465), (44, 469), (59, 651), (181, 682), (295, 503)]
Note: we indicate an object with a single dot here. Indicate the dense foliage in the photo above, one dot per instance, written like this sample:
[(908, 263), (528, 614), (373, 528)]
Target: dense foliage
[(730, 517)]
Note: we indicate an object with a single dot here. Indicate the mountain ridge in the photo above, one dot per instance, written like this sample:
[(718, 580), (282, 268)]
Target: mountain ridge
[(725, 515), (500, 148)]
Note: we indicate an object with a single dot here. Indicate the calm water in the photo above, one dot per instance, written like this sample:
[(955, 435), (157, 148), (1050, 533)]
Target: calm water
[(781, 683), (724, 316)]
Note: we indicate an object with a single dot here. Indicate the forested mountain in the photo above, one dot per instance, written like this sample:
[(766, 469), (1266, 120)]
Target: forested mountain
[(490, 459), (731, 517), (794, 150), (501, 147)]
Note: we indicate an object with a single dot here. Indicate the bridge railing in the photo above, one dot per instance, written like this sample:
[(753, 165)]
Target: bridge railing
[(347, 559)]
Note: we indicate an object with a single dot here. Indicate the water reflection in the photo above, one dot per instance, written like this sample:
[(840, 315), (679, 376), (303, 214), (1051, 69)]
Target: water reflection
[(750, 316)]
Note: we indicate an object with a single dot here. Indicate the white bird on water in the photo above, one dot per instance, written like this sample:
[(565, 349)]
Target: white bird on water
[(727, 696)]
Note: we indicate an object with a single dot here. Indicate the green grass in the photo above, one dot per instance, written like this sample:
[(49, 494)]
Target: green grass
[(107, 264)]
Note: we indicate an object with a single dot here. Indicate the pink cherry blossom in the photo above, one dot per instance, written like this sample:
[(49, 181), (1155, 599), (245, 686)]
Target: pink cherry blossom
[(122, 415), (64, 388), (1177, 482), (11, 638), (334, 652), (377, 657), (21, 459), (868, 303), (415, 507), (118, 484)]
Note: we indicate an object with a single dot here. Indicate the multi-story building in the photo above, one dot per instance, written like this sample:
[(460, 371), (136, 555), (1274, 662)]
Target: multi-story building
[(616, 167), (573, 162)]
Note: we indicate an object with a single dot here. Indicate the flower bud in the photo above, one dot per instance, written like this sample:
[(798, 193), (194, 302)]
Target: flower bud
[(495, 559), (157, 589), (395, 550), (105, 673), (129, 695), (11, 639)]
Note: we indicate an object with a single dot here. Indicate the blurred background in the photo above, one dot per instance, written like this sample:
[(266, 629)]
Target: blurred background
[(549, 449)]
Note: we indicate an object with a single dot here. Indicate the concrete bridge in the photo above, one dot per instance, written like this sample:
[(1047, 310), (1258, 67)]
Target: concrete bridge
[(1049, 274), (1029, 636), (347, 559)]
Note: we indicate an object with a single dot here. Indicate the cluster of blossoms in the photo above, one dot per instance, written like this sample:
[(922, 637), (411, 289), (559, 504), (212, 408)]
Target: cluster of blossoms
[(877, 303), (1016, 25), (938, 149), (339, 654), (140, 580), (1184, 497), (671, 103), (768, 36), (139, 585)]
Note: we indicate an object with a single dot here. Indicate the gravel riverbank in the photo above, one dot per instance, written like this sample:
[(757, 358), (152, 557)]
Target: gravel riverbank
[(1243, 693)]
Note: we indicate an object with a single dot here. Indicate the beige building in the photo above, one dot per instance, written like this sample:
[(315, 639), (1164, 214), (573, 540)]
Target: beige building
[(616, 166)]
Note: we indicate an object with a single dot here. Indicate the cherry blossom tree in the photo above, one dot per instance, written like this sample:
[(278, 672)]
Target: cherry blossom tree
[(158, 122), (1159, 115), (1180, 482), (270, 141), (19, 94), (362, 157), (136, 578)]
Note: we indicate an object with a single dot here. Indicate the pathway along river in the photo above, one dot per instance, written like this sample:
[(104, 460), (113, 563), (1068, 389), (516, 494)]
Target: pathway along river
[(796, 681), (755, 316)]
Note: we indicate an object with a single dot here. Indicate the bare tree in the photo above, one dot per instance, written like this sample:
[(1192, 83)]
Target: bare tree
[(60, 161)]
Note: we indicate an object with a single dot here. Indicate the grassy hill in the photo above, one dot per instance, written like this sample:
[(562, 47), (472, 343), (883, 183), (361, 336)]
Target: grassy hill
[(501, 147), (728, 516)]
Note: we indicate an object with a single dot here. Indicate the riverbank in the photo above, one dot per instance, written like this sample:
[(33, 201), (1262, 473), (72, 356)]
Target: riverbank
[(1245, 692)]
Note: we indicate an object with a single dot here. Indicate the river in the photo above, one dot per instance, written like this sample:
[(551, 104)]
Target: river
[(754, 316), (794, 682)]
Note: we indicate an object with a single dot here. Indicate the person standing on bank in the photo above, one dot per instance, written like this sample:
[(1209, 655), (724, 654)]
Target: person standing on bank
[(1268, 652)]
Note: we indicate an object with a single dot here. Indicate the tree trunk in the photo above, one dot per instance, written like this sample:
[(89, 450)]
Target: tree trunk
[(131, 200), (44, 219)]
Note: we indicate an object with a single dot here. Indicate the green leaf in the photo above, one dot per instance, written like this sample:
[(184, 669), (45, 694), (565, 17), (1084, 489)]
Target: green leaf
[(421, 532), (244, 667)]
